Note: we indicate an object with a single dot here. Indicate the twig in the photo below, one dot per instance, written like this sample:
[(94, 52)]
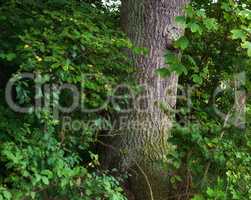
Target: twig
[(146, 178)]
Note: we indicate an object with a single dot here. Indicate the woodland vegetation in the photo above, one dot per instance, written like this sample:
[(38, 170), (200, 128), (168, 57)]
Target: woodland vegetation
[(137, 100)]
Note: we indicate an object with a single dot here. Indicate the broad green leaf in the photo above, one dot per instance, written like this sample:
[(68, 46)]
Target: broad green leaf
[(238, 34), (163, 72), (178, 68), (182, 43), (45, 180), (195, 27)]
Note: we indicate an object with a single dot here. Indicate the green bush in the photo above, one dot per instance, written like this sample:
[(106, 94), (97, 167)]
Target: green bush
[(211, 156), (59, 42)]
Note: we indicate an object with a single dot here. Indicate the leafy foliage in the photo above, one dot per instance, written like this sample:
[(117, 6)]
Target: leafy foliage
[(211, 155), (59, 42), (79, 43)]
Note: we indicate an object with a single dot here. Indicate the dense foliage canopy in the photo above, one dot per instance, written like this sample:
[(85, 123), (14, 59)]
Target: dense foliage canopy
[(80, 43)]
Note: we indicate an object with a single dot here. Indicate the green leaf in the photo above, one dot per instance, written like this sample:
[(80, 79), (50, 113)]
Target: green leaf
[(7, 195), (178, 68), (45, 180), (198, 197), (197, 79), (201, 13), (210, 23), (226, 7), (192, 62), (195, 27), (190, 11), (10, 56), (33, 195), (171, 58), (181, 20), (247, 45), (238, 34), (210, 192), (88, 192), (163, 72), (182, 43), (67, 64), (246, 14)]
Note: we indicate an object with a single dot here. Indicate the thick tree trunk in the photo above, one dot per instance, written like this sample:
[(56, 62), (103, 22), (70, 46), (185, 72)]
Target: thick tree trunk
[(150, 24)]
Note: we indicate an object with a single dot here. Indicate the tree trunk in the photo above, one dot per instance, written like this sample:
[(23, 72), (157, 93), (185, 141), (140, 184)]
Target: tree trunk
[(150, 24)]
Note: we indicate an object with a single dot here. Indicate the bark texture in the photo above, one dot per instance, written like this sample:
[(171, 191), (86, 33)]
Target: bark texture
[(150, 24)]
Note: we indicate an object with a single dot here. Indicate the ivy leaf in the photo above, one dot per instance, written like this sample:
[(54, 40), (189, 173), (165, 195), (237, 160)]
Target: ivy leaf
[(182, 43)]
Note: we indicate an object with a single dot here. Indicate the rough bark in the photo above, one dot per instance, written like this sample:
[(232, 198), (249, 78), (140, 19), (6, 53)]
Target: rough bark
[(150, 24)]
